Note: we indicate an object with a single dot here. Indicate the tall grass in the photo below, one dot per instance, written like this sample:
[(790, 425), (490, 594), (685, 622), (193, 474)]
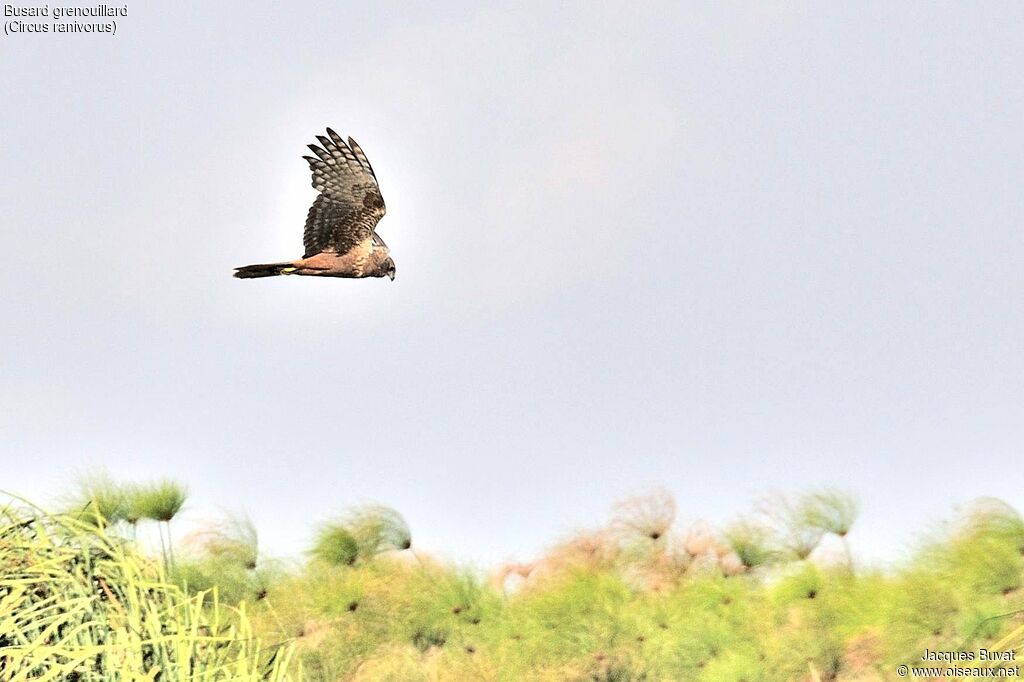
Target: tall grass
[(638, 599), (77, 603), (641, 597)]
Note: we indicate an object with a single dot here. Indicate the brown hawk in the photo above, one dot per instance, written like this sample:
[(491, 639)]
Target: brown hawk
[(340, 238)]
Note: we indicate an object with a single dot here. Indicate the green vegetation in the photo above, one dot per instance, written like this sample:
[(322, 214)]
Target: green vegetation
[(773, 596), (79, 604), (159, 502), (335, 545)]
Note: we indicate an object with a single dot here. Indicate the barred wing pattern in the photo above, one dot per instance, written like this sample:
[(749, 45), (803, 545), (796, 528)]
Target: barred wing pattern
[(349, 206)]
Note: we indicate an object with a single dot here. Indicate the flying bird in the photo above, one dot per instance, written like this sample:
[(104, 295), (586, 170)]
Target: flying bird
[(340, 238)]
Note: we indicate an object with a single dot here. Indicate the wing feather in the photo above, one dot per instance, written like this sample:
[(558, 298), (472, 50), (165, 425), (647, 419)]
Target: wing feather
[(349, 205), (363, 161), (324, 156)]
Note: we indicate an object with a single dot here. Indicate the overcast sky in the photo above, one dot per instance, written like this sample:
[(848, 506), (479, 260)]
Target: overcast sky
[(724, 248)]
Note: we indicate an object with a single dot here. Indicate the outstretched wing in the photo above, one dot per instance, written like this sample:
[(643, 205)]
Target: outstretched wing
[(350, 205)]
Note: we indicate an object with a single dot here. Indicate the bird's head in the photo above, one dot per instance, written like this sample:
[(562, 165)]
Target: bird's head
[(380, 263)]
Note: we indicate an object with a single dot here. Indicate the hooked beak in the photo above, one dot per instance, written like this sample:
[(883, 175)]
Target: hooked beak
[(391, 275)]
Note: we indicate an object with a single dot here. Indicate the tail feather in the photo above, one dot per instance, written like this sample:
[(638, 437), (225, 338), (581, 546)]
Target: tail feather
[(263, 270)]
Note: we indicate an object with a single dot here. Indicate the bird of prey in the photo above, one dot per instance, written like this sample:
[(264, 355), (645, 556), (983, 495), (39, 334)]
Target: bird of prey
[(340, 238)]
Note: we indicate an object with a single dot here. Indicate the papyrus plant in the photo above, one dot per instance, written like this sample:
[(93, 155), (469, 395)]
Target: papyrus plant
[(78, 604)]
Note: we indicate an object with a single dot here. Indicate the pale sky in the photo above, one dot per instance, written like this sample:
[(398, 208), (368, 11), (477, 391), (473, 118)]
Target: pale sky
[(724, 248)]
